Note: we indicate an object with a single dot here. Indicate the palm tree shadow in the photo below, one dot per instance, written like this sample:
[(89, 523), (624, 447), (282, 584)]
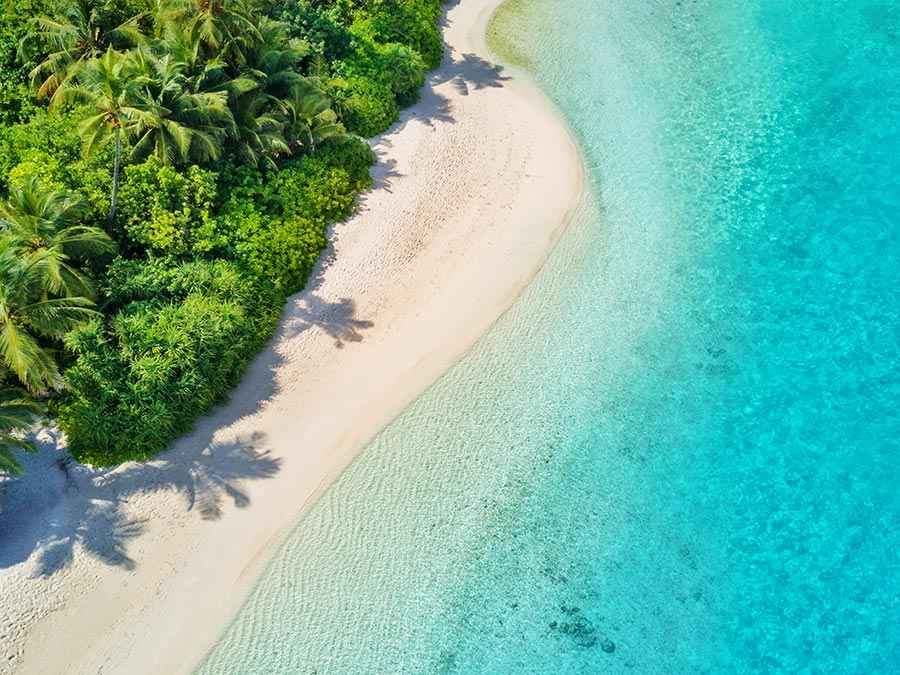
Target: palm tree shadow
[(470, 71), (337, 319), (432, 108), (87, 509), (384, 172), (101, 530), (466, 72)]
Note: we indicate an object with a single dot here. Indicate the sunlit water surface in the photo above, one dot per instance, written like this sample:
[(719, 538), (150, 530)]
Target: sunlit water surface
[(678, 453)]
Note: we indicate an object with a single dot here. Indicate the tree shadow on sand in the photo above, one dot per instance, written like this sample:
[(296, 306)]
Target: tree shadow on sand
[(466, 72), (471, 72), (337, 319), (384, 172), (60, 506)]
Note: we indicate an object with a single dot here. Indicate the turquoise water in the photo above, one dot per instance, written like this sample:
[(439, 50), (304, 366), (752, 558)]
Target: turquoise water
[(678, 452)]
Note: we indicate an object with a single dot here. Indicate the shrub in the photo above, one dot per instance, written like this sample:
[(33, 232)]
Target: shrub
[(283, 251), (179, 342), (406, 72), (323, 28), (167, 211), (353, 155), (314, 189), (47, 139), (413, 23), (16, 99), (36, 163), (277, 229), (398, 67), (244, 182), (367, 107), (48, 146)]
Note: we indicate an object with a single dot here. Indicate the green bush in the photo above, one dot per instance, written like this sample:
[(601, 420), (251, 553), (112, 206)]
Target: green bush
[(167, 211), (179, 342), (243, 182), (398, 67), (353, 155), (47, 145), (48, 140), (323, 28), (406, 71), (277, 229), (281, 250), (247, 183), (367, 107), (314, 189), (413, 23), (16, 99)]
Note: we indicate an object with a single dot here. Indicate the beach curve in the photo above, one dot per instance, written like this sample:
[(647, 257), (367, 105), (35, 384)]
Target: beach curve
[(472, 188)]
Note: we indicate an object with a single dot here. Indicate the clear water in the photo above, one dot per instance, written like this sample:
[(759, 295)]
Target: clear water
[(678, 453)]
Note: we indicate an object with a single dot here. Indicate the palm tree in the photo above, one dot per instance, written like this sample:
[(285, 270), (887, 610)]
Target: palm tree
[(273, 60), (310, 119), (222, 27), (17, 414), (259, 129), (28, 313), (268, 73), (173, 123), (108, 85), (39, 221), (203, 73), (75, 37)]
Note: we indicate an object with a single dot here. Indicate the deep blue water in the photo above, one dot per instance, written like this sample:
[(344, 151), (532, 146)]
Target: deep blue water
[(680, 451)]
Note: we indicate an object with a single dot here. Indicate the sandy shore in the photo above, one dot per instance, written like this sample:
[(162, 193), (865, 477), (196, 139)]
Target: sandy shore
[(139, 569)]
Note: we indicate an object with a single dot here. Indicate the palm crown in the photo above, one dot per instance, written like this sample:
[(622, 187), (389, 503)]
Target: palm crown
[(45, 224), (28, 312), (17, 415), (75, 37)]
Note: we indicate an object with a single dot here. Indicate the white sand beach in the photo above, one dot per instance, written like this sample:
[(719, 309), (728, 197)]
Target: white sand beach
[(137, 570)]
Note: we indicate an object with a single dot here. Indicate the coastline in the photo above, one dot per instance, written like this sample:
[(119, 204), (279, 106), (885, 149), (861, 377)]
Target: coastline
[(465, 209)]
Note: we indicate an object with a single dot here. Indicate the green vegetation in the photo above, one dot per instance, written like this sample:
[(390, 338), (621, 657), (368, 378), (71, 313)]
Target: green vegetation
[(168, 173), (17, 414)]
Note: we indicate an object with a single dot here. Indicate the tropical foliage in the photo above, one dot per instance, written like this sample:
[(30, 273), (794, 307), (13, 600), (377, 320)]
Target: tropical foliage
[(168, 173), (17, 414)]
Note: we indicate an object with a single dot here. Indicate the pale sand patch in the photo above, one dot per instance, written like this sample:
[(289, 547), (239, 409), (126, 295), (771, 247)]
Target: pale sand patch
[(138, 570)]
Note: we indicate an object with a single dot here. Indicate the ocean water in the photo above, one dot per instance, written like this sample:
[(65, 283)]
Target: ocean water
[(679, 452)]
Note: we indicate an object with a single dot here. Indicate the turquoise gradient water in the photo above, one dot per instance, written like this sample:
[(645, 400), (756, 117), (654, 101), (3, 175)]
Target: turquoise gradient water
[(678, 452)]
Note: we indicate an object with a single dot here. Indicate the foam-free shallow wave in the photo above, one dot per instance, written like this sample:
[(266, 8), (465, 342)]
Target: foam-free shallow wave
[(678, 451)]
